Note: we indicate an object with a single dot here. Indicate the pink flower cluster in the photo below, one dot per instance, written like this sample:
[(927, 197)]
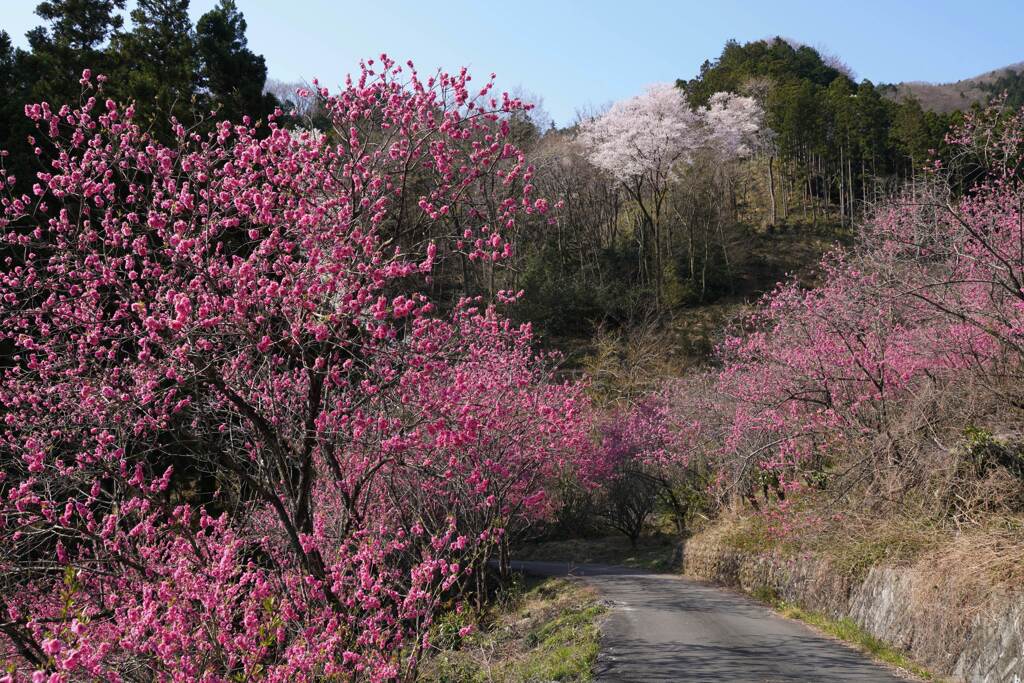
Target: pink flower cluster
[(927, 303), (239, 441), (931, 296)]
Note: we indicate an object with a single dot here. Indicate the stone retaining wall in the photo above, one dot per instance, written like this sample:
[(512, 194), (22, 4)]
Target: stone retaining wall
[(898, 605)]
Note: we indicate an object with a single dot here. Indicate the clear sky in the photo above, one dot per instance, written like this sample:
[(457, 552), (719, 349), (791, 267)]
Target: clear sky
[(578, 54)]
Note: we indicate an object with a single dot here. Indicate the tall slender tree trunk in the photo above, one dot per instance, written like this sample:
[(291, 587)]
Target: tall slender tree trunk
[(784, 188), (504, 565), (842, 188), (812, 198), (863, 189), (849, 186), (704, 265), (691, 257)]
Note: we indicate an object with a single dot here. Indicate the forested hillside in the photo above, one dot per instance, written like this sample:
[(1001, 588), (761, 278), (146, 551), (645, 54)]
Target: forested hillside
[(289, 373), (812, 154), (825, 150), (963, 94)]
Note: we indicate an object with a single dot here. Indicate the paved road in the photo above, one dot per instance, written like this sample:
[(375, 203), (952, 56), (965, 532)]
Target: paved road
[(666, 628)]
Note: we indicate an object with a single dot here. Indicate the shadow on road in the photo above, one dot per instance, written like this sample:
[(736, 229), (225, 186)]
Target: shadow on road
[(667, 628)]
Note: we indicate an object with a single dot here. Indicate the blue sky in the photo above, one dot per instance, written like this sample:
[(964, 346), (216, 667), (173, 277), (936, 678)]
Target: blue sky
[(577, 54)]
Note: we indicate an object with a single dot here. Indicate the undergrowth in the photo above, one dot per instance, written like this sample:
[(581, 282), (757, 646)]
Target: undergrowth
[(653, 553), (853, 541), (538, 630)]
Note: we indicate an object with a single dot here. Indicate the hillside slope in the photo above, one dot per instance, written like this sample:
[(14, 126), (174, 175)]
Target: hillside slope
[(947, 97)]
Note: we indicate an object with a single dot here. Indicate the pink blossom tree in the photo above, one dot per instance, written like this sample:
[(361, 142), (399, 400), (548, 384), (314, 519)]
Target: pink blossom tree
[(239, 441), (657, 448), (734, 124), (927, 302)]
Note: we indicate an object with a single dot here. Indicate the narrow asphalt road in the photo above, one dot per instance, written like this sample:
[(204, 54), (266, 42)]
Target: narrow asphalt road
[(666, 628)]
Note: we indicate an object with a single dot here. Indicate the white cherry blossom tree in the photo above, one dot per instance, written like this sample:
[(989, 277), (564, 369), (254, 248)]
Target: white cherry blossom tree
[(642, 141)]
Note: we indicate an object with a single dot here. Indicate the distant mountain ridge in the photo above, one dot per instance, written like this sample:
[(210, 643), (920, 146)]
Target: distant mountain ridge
[(947, 97)]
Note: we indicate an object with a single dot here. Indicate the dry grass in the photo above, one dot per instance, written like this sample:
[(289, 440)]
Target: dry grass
[(993, 554), (990, 551), (975, 571)]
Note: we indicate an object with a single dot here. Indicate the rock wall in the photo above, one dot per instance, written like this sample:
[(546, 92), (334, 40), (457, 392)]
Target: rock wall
[(903, 606)]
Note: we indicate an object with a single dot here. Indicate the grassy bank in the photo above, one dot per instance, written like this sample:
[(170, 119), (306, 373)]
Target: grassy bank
[(538, 630)]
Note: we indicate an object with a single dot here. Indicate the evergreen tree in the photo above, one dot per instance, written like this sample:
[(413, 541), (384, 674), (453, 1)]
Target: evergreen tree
[(873, 116), (778, 60), (1011, 84), (910, 134), (794, 113), (11, 101), (157, 62), (8, 70), (232, 76), (81, 25), (72, 41), (839, 142)]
